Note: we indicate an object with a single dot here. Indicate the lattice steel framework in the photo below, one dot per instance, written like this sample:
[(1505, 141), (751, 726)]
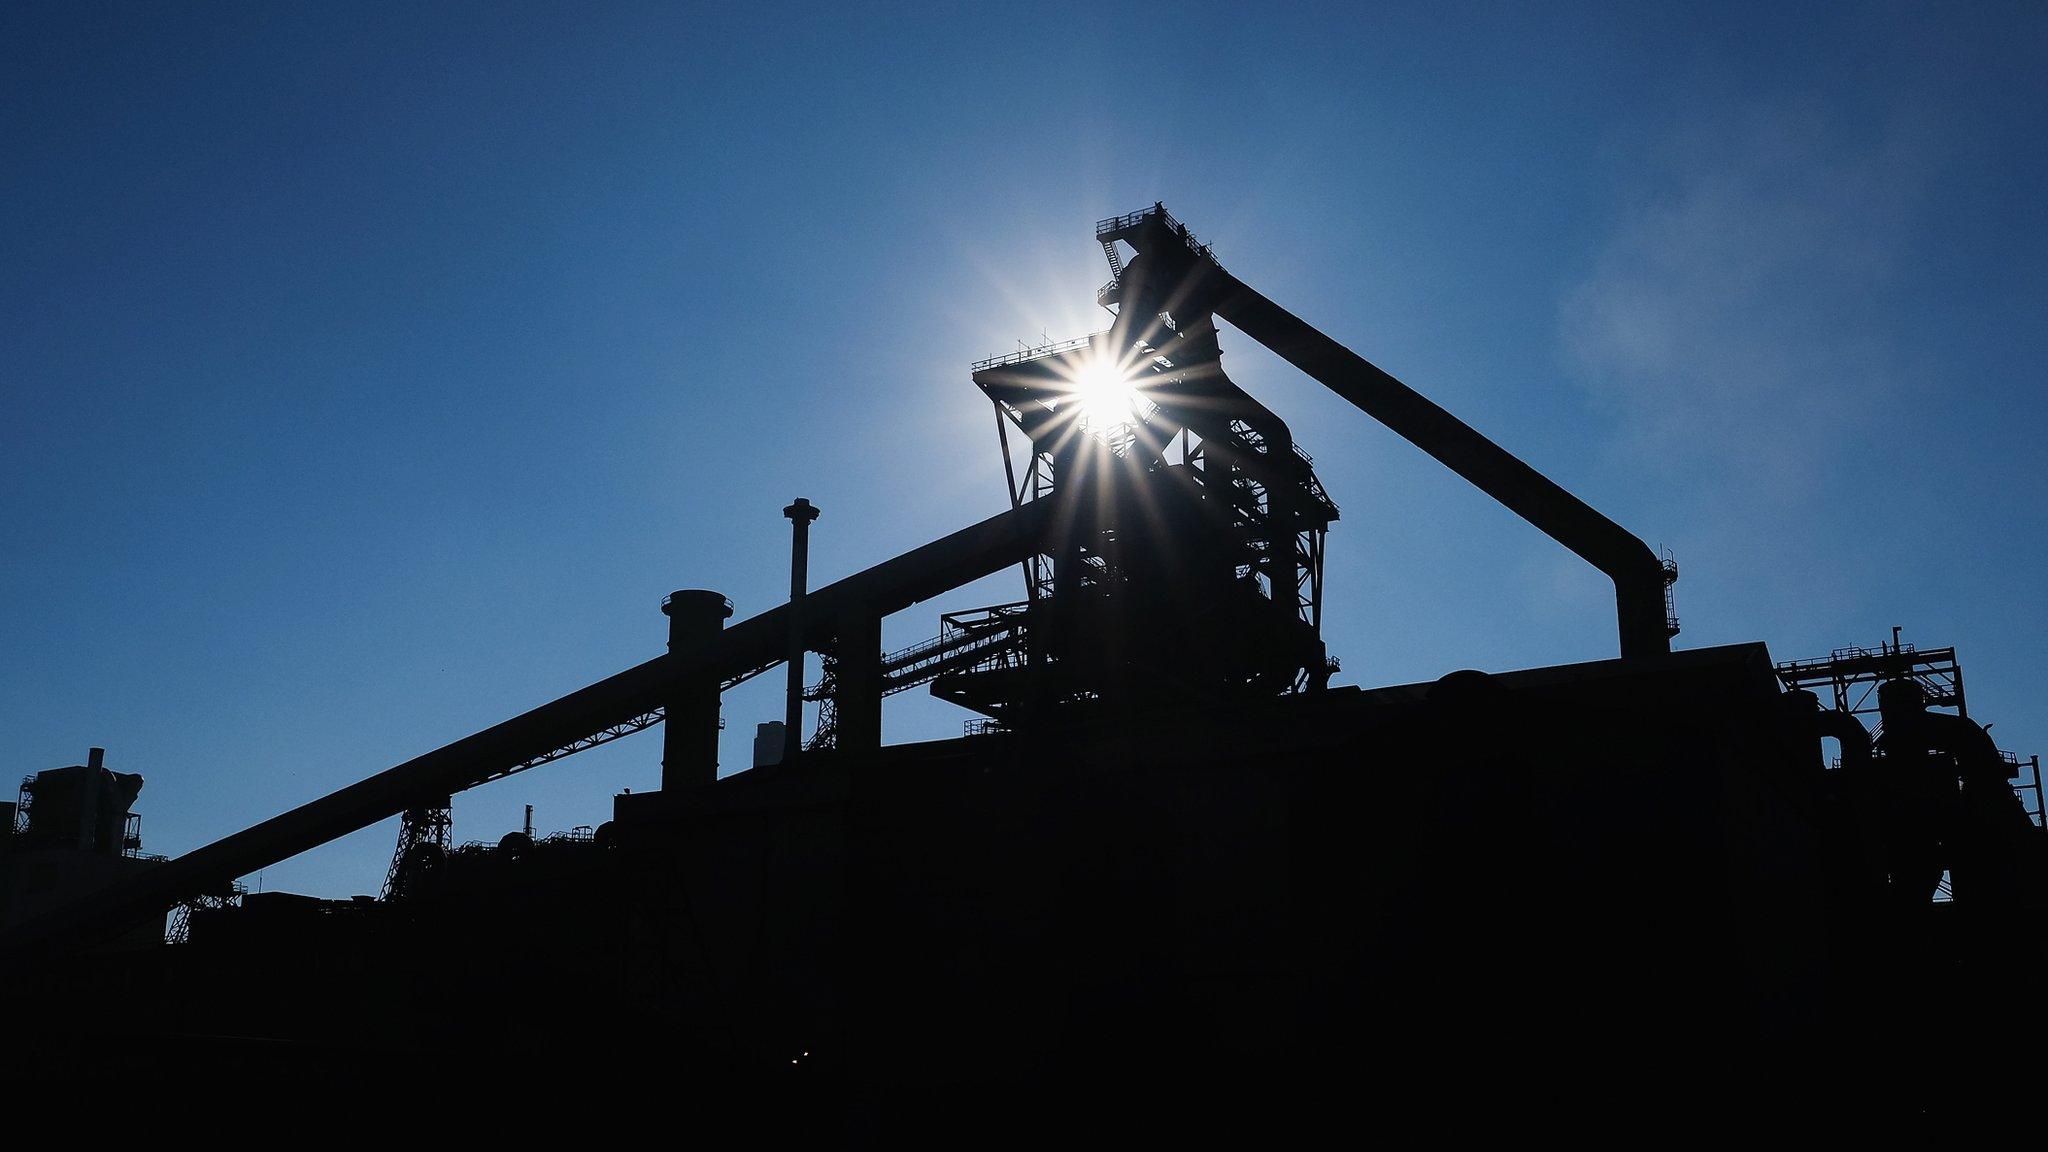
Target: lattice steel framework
[(1850, 677)]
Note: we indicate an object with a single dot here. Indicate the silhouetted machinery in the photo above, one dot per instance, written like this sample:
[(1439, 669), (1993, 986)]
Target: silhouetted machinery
[(1930, 806), (1182, 557), (1183, 549), (1178, 789), (1170, 530)]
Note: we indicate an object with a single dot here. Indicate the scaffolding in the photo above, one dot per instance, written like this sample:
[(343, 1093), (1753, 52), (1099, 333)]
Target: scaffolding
[(423, 834), (178, 929), (1851, 676)]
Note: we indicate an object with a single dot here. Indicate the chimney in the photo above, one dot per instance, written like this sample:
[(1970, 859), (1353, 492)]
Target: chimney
[(800, 512)]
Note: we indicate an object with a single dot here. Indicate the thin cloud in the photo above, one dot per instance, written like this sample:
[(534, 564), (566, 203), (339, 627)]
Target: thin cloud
[(1736, 318)]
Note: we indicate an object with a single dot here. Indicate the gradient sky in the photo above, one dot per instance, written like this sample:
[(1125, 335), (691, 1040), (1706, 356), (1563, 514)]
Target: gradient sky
[(372, 370)]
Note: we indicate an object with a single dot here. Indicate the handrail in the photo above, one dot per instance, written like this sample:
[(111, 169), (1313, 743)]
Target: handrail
[(1116, 226), (1020, 356)]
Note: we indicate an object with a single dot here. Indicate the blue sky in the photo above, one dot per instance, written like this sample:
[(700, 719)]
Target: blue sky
[(371, 371)]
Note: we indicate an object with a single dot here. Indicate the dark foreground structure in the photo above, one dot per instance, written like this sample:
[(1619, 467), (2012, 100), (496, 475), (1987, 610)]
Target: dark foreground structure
[(1170, 854)]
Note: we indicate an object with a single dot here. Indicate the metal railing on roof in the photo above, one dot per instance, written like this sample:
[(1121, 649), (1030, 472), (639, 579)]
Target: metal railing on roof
[(1023, 354), (1117, 225)]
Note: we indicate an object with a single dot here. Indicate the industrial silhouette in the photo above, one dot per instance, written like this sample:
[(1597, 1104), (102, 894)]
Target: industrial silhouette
[(1167, 850)]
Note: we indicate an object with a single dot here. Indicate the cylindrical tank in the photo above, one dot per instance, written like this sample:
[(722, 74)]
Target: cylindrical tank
[(689, 744)]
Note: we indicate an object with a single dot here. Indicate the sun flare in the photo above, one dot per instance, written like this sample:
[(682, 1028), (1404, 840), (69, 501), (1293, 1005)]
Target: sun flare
[(1107, 399)]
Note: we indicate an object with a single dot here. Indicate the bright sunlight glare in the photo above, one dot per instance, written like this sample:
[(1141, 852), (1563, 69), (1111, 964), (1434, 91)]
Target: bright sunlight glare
[(1108, 400)]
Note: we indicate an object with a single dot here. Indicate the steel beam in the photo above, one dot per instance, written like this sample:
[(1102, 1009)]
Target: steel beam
[(1204, 286), (891, 586)]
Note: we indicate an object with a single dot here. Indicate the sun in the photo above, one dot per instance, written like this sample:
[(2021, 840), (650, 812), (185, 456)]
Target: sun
[(1108, 402)]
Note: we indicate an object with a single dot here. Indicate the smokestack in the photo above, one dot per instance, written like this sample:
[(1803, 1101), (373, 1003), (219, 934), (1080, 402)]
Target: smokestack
[(800, 514), (95, 757), (689, 743)]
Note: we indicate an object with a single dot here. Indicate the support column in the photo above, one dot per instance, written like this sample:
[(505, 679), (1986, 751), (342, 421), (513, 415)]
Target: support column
[(860, 682), (689, 737)]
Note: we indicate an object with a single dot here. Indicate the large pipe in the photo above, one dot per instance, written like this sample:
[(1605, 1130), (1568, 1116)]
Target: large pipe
[(943, 564), (1850, 733), (1993, 848), (1860, 789), (1639, 577)]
